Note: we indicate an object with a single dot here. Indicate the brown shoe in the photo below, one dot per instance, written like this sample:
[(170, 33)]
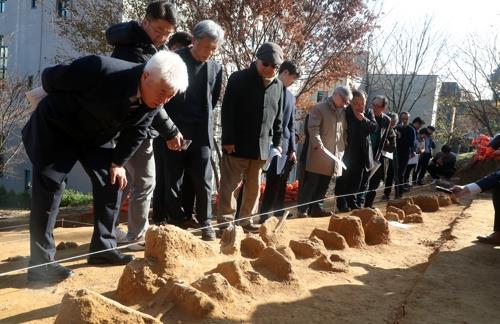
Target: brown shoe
[(493, 239)]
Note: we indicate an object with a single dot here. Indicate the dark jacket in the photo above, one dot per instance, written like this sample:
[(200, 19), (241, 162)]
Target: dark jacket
[(390, 143), (131, 43), (359, 146), (490, 181), (381, 133), (88, 104), (212, 94), (289, 109), (251, 114), (405, 143)]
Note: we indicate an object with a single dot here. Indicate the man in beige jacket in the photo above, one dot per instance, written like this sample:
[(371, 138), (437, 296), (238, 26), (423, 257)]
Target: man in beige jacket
[(327, 128)]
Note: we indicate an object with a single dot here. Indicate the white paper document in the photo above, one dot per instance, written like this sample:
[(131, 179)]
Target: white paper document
[(35, 96), (272, 153), (399, 225), (336, 159)]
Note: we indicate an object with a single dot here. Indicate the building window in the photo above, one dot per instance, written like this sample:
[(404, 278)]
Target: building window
[(321, 95), (2, 5), (63, 8), (4, 53), (33, 4)]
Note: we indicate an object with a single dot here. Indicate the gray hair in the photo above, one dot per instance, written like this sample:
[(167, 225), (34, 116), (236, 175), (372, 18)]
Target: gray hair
[(210, 29), (169, 67), (344, 92)]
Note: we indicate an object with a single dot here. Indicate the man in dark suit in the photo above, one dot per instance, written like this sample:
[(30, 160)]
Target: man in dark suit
[(378, 139), (358, 155), (405, 149), (136, 42), (192, 113), (251, 123), (279, 170), (490, 182), (89, 103)]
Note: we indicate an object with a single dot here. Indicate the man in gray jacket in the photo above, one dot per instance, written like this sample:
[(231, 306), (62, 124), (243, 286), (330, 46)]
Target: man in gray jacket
[(327, 128)]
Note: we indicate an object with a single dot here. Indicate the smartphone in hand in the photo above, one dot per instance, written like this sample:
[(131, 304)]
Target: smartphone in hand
[(185, 144)]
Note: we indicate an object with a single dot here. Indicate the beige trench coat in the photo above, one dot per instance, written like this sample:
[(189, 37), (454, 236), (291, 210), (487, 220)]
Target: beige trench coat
[(327, 129)]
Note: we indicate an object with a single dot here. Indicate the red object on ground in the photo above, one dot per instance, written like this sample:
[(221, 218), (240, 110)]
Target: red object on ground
[(483, 151)]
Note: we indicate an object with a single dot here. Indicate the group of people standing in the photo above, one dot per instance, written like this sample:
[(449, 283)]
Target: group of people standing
[(141, 121), (141, 124)]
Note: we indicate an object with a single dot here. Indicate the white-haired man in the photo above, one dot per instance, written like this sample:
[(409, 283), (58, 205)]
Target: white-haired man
[(192, 114), (90, 102)]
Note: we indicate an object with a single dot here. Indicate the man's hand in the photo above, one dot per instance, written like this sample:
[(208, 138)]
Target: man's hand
[(359, 115), (175, 144), (118, 175), (229, 148), (460, 191), (292, 156)]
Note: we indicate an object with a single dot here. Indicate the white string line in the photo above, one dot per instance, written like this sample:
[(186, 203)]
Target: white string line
[(191, 231)]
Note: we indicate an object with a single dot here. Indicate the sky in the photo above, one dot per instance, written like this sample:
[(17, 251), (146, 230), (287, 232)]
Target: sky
[(455, 18)]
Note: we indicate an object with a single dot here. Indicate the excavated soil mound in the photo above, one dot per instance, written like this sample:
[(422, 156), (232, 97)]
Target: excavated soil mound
[(413, 218), (331, 240), (190, 300), (286, 252), (66, 246), (235, 273), (400, 203), (390, 216), (231, 239), (401, 214), (365, 214), (140, 279), (252, 246), (377, 231), (412, 209), (215, 286), (169, 245), (274, 265), (304, 249), (350, 227), (332, 263), (85, 306), (272, 235), (427, 203), (444, 200)]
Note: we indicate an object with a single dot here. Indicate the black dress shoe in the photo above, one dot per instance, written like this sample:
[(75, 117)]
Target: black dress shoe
[(110, 257), (344, 209), (250, 228), (321, 213), (493, 239), (208, 234), (49, 273)]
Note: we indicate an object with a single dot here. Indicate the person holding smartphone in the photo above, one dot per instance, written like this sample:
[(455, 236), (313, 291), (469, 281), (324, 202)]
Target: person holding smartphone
[(490, 182)]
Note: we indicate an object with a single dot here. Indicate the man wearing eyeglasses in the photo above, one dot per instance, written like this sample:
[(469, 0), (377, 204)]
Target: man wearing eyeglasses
[(327, 126), (137, 42), (251, 122)]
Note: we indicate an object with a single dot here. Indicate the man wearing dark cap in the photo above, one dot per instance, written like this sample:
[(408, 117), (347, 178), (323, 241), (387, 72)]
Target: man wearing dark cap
[(251, 125)]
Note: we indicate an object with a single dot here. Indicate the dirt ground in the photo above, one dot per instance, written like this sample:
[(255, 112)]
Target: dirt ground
[(429, 273)]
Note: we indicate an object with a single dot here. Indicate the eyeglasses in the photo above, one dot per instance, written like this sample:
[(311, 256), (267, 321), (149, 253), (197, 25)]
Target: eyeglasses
[(378, 106), (274, 66)]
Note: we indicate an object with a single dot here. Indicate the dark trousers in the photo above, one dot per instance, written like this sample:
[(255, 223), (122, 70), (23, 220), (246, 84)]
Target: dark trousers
[(389, 176), (402, 163), (46, 197), (188, 197), (496, 205), (409, 173), (437, 171), (274, 195), (421, 169), (374, 183), (313, 188), (193, 165), (349, 183)]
